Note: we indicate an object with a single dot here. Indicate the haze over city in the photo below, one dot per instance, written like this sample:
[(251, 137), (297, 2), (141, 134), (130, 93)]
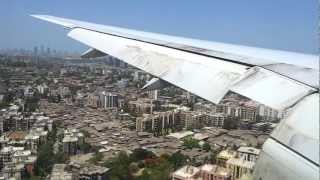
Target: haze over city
[(285, 25)]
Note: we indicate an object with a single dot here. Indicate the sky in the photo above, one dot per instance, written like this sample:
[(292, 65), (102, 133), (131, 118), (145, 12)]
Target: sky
[(276, 24)]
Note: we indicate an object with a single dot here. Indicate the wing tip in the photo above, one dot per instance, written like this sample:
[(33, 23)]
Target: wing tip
[(53, 19), (39, 16)]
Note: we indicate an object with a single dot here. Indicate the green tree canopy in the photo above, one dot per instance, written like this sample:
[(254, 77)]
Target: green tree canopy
[(190, 143), (206, 146), (177, 160), (141, 154), (98, 156)]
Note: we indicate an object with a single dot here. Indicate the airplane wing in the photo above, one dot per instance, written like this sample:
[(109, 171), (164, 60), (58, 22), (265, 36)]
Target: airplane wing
[(279, 79)]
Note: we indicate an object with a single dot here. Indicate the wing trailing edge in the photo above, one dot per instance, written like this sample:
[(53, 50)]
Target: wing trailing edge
[(92, 53)]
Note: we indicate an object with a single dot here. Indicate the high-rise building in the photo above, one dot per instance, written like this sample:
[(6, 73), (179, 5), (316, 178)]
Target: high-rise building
[(204, 107), (143, 106), (43, 89), (48, 52), (153, 94), (70, 145), (159, 123), (109, 100), (71, 141), (267, 114), (192, 119), (216, 119), (248, 113), (35, 51)]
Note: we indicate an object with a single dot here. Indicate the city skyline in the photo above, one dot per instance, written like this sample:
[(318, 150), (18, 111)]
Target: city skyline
[(288, 26), (39, 50)]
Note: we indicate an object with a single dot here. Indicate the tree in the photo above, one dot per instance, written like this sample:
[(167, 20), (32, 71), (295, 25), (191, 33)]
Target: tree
[(156, 168), (159, 172), (45, 159), (230, 123), (119, 166), (85, 133), (98, 156), (133, 167), (60, 157), (4, 105), (141, 154), (125, 107), (213, 155), (177, 160), (31, 103), (190, 143), (85, 147), (206, 146)]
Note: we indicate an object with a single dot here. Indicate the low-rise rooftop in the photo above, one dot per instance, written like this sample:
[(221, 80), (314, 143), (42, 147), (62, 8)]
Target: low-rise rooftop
[(249, 150), (180, 135), (186, 172)]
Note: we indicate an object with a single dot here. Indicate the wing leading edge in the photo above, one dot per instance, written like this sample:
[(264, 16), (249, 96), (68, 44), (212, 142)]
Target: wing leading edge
[(210, 70)]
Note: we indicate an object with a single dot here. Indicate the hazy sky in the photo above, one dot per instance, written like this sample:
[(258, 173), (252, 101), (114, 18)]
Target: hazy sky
[(277, 24)]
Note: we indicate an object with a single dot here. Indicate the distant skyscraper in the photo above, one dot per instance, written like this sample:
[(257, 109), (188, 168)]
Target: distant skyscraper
[(54, 52), (48, 51), (35, 51)]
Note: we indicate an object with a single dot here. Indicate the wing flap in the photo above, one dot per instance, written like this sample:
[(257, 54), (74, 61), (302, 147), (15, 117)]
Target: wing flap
[(271, 89), (300, 129), (306, 76), (207, 77)]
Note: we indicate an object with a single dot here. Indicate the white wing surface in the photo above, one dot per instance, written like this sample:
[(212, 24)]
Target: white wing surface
[(279, 79)]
